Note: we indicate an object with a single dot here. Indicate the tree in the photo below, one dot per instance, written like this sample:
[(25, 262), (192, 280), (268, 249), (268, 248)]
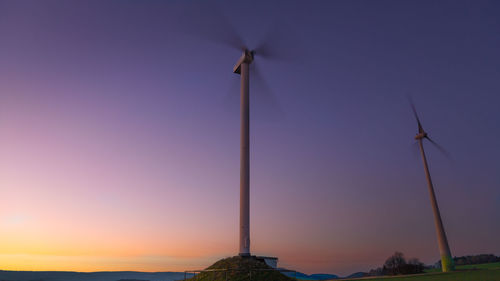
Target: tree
[(394, 264), (476, 259), (414, 266)]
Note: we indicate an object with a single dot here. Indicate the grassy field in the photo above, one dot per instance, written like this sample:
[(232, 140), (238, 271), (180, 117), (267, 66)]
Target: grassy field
[(476, 272), (493, 265)]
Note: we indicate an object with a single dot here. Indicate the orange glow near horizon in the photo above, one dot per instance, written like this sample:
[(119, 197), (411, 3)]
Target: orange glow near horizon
[(28, 262)]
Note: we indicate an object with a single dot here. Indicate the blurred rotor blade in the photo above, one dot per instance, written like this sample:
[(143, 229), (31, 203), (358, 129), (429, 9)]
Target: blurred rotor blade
[(265, 51), (440, 148), (420, 129), (265, 101), (278, 44), (205, 20)]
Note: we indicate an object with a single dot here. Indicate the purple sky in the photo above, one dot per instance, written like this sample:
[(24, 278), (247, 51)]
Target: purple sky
[(121, 119)]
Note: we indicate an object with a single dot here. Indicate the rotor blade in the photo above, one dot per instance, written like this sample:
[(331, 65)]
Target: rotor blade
[(265, 101), (267, 50), (205, 20), (440, 148), (263, 50), (420, 129), (278, 44)]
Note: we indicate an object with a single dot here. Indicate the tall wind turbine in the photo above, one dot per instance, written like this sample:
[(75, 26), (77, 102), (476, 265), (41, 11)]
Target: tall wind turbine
[(444, 249), (219, 30), (242, 68)]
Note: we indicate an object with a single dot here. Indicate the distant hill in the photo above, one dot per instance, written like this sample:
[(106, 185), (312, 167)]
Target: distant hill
[(322, 276), (317, 276), (357, 275), (6, 275), (91, 276)]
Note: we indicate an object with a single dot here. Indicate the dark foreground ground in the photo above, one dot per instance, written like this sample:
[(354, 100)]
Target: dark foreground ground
[(479, 272)]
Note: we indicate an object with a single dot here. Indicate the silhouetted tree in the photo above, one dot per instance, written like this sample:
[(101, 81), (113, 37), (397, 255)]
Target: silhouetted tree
[(414, 266), (476, 259), (396, 264), (376, 272)]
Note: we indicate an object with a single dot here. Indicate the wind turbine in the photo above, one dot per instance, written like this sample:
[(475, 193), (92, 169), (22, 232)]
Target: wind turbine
[(444, 248), (242, 68), (218, 29)]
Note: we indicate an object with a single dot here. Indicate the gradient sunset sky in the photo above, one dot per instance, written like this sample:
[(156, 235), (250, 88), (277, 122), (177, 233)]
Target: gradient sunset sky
[(119, 132)]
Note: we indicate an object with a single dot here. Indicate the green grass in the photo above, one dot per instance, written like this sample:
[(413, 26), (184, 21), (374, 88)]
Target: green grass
[(473, 272), (493, 265), (472, 275)]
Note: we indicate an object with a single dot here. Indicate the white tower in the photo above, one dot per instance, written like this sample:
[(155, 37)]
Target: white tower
[(242, 68)]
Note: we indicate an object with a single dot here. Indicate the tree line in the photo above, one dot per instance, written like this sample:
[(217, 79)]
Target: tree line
[(473, 259), (397, 265)]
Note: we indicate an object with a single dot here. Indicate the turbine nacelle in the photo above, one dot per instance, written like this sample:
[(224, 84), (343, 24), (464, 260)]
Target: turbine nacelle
[(421, 135), (246, 57)]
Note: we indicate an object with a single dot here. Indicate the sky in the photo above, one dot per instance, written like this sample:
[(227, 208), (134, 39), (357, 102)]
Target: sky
[(119, 132)]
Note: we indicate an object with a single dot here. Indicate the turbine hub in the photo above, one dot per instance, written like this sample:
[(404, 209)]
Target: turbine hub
[(421, 135), (246, 57)]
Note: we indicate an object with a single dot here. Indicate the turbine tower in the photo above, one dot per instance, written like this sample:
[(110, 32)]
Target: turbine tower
[(218, 29), (444, 249), (242, 68)]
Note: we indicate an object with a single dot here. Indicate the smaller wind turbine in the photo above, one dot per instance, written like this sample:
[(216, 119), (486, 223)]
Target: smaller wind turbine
[(444, 248)]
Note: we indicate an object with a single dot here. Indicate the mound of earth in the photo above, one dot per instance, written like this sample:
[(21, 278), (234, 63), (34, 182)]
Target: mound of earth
[(240, 269)]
